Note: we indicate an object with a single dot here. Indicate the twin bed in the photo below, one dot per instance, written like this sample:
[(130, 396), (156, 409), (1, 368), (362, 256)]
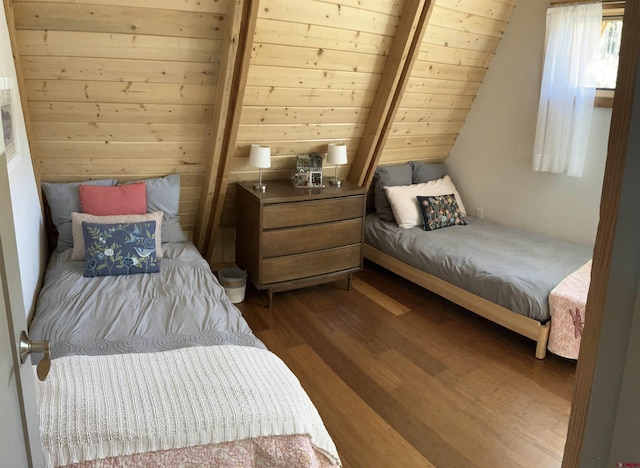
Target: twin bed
[(503, 274), (160, 369)]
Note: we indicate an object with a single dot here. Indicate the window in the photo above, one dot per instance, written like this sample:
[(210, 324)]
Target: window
[(605, 71), (606, 67)]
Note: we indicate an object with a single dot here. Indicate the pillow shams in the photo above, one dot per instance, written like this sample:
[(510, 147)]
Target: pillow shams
[(163, 194), (63, 199), (405, 204), (392, 175), (425, 172), (440, 211), (119, 249), (78, 238), (118, 200)]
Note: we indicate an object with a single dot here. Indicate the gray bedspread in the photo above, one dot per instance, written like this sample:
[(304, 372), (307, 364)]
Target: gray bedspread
[(504, 265), (183, 305)]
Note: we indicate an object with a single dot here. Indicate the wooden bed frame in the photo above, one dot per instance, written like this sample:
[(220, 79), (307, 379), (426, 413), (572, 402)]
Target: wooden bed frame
[(501, 315)]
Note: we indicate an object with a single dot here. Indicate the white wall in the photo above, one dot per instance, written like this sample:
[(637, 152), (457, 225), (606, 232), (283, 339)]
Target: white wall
[(491, 160), (25, 202)]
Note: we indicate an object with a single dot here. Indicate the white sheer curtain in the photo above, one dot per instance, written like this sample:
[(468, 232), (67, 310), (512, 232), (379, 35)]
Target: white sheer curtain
[(566, 100)]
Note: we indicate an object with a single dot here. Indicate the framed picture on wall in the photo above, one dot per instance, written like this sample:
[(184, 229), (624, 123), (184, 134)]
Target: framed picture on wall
[(7, 118)]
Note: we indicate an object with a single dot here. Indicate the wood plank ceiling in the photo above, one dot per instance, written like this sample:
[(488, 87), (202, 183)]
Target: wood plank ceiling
[(133, 89)]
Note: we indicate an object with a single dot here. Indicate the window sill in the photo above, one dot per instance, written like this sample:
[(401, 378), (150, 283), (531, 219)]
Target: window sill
[(604, 98)]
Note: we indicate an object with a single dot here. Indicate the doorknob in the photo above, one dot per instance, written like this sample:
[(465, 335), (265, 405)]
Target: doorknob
[(27, 347)]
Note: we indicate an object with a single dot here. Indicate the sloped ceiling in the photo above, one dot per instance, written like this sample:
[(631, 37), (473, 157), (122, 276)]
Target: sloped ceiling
[(135, 89)]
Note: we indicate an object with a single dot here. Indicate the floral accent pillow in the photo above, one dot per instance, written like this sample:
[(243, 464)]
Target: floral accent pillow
[(440, 211), (119, 249)]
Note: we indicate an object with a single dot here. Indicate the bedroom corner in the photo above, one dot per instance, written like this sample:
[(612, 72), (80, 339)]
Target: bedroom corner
[(491, 158), (29, 226)]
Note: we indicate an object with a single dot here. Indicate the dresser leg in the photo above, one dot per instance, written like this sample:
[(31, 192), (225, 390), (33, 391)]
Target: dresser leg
[(349, 281), (269, 297)]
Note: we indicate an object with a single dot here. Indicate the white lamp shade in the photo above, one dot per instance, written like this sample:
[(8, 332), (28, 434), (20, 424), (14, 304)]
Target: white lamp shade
[(260, 156), (337, 153)]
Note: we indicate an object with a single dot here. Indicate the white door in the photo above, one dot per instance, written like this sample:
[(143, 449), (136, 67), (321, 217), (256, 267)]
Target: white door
[(19, 433)]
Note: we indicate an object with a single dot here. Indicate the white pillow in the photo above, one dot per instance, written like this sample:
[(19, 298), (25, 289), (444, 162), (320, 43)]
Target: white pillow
[(404, 203), (78, 218)]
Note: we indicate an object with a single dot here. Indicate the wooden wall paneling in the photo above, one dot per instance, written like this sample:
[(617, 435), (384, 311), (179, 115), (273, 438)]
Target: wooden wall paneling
[(120, 46), (337, 131), (316, 36), (236, 62), (186, 5), (455, 53), (118, 91), (412, 25), (267, 75), (134, 113), (121, 20), (286, 115), (190, 150), (355, 18), (312, 80), (92, 131), (111, 69), (625, 104), (444, 54), (282, 97), (122, 90)]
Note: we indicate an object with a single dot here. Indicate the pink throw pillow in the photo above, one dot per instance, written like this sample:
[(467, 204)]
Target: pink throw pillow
[(117, 200)]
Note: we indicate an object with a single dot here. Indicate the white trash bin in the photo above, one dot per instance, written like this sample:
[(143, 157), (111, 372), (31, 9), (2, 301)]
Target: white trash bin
[(234, 282)]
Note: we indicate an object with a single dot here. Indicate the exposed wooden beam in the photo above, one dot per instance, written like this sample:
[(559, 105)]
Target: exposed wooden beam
[(227, 129), (226, 107), (404, 50), (620, 133)]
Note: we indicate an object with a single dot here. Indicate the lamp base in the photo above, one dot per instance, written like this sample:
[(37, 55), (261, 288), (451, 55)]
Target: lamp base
[(335, 182), (260, 187)]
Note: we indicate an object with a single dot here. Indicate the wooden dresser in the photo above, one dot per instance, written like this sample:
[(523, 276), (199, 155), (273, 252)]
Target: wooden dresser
[(288, 238)]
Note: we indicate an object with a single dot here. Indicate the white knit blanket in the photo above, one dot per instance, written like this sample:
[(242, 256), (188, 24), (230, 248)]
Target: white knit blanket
[(104, 406)]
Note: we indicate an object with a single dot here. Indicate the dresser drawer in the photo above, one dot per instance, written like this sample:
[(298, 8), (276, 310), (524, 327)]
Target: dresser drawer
[(305, 265), (283, 215), (310, 238)]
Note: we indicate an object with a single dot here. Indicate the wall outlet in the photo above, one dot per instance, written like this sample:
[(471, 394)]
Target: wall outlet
[(479, 213)]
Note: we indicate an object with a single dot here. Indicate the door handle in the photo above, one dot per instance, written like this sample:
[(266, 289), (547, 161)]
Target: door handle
[(27, 347)]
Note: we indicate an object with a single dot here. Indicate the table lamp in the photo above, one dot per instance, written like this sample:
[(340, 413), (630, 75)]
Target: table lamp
[(336, 154), (260, 157)]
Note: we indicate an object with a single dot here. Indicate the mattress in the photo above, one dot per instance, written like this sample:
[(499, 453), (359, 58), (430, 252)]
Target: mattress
[(510, 267), (183, 305)]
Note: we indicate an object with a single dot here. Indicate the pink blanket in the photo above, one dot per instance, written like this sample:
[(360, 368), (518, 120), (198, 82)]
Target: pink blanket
[(567, 306), (293, 450)]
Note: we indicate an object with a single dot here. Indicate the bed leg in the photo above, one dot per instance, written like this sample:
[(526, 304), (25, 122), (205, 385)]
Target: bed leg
[(543, 338)]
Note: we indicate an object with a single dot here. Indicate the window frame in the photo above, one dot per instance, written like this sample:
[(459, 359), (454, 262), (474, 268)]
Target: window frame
[(604, 96)]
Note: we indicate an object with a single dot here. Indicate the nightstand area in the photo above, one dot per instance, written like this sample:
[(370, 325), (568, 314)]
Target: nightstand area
[(288, 238)]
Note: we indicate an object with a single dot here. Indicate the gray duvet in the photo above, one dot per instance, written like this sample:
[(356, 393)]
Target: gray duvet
[(509, 267), (183, 305)]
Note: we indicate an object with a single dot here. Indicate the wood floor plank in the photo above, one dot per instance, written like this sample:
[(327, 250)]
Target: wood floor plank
[(433, 386), (379, 297)]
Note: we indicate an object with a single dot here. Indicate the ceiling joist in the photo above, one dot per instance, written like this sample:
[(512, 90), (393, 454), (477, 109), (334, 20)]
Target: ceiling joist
[(404, 50)]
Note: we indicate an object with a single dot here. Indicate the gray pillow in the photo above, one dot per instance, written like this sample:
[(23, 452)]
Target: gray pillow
[(396, 174), (425, 172), (163, 194), (63, 199)]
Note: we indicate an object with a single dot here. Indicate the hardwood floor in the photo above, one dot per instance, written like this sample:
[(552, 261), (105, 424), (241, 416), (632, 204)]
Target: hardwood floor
[(404, 378)]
